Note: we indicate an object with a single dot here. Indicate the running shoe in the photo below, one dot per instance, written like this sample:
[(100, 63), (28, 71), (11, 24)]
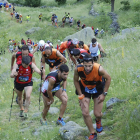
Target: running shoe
[(43, 122), (93, 136), (25, 115), (21, 113), (99, 127), (60, 122)]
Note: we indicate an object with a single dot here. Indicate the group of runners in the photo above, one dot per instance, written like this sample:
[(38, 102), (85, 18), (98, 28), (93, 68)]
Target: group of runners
[(90, 79), (15, 46), (7, 6)]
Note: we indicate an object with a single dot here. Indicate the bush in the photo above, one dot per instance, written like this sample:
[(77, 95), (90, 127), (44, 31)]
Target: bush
[(33, 3), (106, 1), (136, 6), (60, 2), (126, 5), (136, 19), (103, 21)]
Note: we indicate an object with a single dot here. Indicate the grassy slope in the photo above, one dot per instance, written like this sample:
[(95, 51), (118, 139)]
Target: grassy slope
[(123, 70)]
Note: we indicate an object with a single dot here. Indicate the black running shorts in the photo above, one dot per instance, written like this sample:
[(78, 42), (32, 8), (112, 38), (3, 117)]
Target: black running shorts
[(88, 95), (20, 86)]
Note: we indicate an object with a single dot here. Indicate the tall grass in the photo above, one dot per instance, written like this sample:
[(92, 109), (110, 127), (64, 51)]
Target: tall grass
[(122, 63)]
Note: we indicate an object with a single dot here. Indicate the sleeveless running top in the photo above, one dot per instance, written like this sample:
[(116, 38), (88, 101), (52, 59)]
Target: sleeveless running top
[(92, 79), (53, 56), (94, 50), (54, 76), (19, 56), (24, 74)]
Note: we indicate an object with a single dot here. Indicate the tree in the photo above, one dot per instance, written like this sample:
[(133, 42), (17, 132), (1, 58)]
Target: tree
[(60, 2), (112, 5), (33, 3), (109, 1)]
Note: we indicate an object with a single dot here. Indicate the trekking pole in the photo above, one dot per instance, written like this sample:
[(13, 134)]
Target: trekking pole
[(40, 87), (11, 105), (12, 98)]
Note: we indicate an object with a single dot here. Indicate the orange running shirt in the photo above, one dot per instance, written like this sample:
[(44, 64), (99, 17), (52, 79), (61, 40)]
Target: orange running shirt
[(89, 80), (63, 46), (53, 56)]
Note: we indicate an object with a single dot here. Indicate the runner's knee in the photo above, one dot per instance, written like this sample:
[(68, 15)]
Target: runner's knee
[(97, 114), (85, 113), (27, 97), (64, 99)]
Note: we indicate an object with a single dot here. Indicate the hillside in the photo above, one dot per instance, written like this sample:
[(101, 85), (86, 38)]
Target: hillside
[(121, 122)]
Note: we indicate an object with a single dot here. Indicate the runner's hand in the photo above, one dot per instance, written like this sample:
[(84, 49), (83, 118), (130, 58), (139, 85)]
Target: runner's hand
[(82, 102), (51, 101), (15, 73), (101, 98)]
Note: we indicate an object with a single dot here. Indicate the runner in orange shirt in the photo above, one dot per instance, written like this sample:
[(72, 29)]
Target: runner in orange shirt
[(92, 83), (82, 46), (53, 58)]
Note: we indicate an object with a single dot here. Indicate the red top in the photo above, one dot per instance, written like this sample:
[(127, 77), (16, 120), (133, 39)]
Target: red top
[(24, 74), (82, 51), (19, 56)]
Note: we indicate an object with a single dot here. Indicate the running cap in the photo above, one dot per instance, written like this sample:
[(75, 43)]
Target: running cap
[(75, 41), (41, 43), (75, 52)]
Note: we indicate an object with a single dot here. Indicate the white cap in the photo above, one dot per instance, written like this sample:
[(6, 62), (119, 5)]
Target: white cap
[(75, 41), (41, 43)]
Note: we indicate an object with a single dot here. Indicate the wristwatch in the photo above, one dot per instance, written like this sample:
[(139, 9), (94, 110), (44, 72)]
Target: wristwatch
[(105, 93), (64, 90)]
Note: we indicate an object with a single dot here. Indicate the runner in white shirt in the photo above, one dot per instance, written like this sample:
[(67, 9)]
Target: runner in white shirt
[(95, 48)]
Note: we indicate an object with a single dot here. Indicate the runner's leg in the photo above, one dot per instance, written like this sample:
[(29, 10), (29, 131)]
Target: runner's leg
[(64, 98), (85, 111), (46, 106), (20, 102), (28, 91)]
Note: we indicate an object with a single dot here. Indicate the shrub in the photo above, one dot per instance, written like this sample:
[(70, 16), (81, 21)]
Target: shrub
[(103, 21), (33, 3), (136, 6), (60, 2), (126, 5), (136, 19)]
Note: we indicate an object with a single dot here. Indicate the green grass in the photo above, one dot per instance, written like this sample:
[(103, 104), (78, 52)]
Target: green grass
[(122, 63)]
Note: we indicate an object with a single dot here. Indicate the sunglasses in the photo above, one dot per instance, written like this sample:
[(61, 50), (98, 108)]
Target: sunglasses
[(87, 59)]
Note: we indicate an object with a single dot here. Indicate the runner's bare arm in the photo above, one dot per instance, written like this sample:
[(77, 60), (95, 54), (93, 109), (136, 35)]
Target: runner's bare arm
[(64, 84), (107, 77), (13, 60), (35, 49), (36, 69), (76, 82), (50, 87), (33, 60), (64, 60), (14, 72), (101, 48), (43, 64)]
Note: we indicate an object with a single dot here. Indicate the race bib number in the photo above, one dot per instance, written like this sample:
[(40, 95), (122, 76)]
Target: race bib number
[(23, 79), (56, 88), (91, 91), (51, 61)]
